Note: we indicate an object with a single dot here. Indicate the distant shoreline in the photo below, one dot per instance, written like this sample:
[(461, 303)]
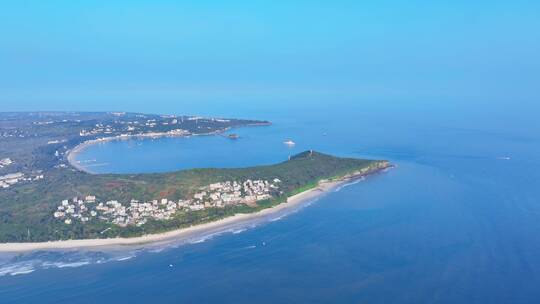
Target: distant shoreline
[(294, 201)]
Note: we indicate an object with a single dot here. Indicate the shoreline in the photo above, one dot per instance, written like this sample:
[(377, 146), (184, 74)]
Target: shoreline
[(294, 201), (72, 153)]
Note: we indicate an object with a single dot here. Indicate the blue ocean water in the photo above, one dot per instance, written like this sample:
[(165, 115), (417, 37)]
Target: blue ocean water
[(457, 221)]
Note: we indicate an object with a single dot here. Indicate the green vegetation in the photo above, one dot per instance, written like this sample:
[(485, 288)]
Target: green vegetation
[(39, 143), (26, 210)]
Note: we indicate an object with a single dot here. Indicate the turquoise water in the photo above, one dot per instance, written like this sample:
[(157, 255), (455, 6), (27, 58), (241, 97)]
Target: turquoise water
[(457, 221)]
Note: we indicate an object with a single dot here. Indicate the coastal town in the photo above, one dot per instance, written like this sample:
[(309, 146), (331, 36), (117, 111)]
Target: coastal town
[(149, 127), (127, 127), (217, 195)]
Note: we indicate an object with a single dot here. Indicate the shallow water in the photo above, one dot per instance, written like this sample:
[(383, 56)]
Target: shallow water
[(456, 222)]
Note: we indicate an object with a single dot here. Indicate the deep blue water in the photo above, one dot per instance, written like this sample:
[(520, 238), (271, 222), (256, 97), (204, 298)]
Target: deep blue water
[(458, 220)]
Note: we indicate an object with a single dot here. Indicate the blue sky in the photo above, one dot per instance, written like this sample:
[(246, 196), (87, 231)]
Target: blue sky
[(148, 55)]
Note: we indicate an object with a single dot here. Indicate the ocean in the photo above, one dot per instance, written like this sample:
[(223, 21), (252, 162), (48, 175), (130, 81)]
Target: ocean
[(457, 220)]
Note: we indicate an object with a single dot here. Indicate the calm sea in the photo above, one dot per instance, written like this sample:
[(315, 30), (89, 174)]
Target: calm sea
[(458, 220)]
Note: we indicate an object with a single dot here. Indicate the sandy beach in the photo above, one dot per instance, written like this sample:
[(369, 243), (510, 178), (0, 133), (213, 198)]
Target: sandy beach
[(184, 233)]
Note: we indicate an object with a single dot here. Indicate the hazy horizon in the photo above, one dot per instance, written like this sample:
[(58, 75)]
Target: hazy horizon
[(206, 57)]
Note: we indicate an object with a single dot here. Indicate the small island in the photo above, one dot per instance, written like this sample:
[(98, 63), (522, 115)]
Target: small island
[(46, 197)]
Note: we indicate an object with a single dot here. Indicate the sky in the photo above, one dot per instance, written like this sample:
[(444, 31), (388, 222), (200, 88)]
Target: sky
[(150, 56)]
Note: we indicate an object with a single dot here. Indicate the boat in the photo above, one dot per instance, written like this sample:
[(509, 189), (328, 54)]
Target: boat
[(289, 143), (233, 136)]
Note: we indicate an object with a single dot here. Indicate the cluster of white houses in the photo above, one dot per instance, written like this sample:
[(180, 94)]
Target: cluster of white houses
[(4, 162), (137, 213), (98, 129), (142, 127), (226, 193), (13, 133), (9, 180), (130, 127)]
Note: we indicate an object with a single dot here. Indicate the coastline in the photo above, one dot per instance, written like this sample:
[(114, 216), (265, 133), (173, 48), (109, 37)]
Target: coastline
[(72, 153), (294, 201)]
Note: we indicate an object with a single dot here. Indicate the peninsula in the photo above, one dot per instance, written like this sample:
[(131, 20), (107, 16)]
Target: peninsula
[(46, 202)]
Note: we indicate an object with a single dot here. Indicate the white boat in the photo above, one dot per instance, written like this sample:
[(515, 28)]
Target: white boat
[(289, 143)]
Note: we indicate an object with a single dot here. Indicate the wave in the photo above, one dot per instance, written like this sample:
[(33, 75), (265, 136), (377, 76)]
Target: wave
[(204, 238), (16, 269), (159, 249), (40, 260), (120, 259), (72, 265), (239, 231), (356, 181), (22, 271), (277, 218)]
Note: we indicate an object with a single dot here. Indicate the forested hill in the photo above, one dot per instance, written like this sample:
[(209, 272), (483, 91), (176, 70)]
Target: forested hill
[(26, 212)]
